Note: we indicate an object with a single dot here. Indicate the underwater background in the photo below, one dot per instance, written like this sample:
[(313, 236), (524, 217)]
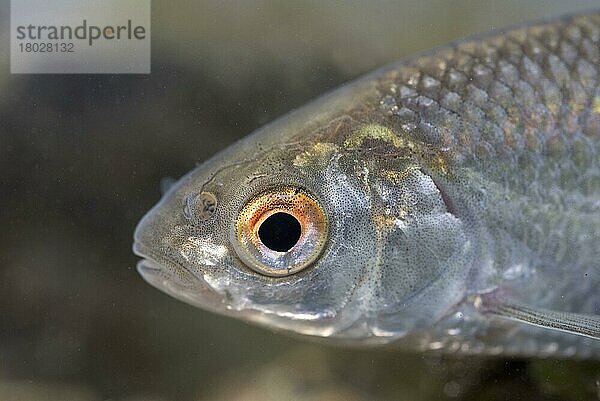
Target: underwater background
[(82, 158)]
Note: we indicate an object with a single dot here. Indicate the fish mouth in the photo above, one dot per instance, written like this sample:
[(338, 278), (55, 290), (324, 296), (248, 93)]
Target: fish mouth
[(174, 279)]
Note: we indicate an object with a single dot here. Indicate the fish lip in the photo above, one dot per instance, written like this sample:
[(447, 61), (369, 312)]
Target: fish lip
[(150, 266), (139, 249)]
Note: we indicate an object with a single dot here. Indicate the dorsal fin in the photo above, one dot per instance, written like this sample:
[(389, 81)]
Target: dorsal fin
[(574, 323)]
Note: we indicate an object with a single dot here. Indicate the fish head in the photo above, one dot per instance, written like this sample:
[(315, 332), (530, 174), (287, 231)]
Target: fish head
[(317, 237), (261, 239)]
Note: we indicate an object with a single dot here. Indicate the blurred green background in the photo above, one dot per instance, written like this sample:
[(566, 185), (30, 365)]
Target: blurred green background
[(81, 159)]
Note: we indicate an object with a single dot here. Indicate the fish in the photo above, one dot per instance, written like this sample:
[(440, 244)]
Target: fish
[(449, 202)]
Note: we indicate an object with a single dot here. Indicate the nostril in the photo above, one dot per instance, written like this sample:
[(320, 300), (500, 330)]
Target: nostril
[(200, 206)]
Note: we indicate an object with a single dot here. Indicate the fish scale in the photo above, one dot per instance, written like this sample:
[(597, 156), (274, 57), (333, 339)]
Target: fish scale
[(521, 83), (530, 161), (523, 122)]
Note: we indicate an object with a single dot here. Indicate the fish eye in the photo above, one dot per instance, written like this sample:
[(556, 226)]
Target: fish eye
[(280, 231)]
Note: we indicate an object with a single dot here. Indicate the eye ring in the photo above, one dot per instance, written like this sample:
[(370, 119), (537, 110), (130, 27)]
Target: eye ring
[(280, 231)]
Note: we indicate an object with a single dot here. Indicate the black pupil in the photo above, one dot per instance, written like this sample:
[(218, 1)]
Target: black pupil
[(279, 232)]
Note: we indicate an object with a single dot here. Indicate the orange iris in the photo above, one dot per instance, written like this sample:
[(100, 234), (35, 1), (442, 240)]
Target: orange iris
[(299, 204)]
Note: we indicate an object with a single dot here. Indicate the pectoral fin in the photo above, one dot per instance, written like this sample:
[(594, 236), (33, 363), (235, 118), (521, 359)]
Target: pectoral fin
[(574, 323)]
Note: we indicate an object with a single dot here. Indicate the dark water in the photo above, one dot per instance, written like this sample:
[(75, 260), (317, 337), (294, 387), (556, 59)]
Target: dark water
[(81, 159)]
